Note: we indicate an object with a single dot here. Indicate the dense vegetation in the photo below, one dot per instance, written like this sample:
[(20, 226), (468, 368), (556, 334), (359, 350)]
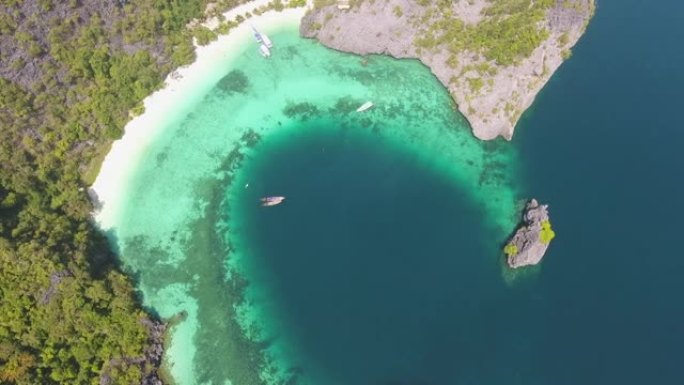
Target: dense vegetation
[(510, 29), (71, 73)]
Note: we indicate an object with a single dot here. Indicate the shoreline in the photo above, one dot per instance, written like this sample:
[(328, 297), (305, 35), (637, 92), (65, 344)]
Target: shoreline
[(241, 9), (491, 84), (183, 89), (167, 103)]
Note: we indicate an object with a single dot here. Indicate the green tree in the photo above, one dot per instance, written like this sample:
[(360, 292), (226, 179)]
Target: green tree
[(510, 249), (68, 315), (547, 234)]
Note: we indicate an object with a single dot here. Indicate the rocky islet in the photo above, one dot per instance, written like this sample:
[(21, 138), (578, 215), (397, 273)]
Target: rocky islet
[(530, 242)]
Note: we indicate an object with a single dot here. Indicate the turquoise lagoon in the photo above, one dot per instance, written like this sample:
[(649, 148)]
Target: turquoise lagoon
[(399, 192)]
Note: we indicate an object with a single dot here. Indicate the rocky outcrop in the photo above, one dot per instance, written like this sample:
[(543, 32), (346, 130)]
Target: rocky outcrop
[(490, 95), (55, 280), (529, 244), (155, 346), (149, 363)]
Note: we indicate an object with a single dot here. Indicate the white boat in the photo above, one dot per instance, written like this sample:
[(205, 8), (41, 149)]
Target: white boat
[(261, 38), (266, 40), (364, 106), (271, 201), (257, 35), (265, 52)]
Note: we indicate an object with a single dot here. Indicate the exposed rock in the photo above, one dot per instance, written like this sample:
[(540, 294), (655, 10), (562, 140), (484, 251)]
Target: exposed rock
[(492, 100), (55, 280), (151, 359), (529, 244), (154, 351), (155, 348)]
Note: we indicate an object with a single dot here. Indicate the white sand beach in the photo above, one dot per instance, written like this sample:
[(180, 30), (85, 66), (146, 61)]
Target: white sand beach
[(170, 101), (162, 107)]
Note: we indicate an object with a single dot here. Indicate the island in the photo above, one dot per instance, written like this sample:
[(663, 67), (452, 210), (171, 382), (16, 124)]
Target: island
[(531, 240), (493, 56)]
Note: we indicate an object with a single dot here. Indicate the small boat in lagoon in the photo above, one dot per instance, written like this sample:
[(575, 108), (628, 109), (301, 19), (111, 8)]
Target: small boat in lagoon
[(365, 106), (271, 201)]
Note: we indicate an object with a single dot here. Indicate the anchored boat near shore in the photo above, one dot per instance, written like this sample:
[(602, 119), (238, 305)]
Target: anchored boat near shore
[(271, 201), (265, 43), (266, 40)]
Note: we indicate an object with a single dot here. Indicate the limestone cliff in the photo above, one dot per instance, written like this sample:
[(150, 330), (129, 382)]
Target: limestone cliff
[(494, 56), (529, 244)]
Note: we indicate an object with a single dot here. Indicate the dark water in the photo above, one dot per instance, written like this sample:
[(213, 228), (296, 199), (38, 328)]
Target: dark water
[(381, 268), (382, 275), (603, 145)]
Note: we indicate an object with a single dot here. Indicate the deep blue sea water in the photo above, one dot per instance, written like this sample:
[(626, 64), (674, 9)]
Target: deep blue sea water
[(381, 268), (603, 145)]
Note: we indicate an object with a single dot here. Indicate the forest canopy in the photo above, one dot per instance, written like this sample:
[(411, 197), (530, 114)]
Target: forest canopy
[(71, 74)]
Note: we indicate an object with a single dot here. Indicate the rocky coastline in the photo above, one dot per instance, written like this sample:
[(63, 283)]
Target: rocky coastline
[(468, 46), (149, 363), (530, 242)]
